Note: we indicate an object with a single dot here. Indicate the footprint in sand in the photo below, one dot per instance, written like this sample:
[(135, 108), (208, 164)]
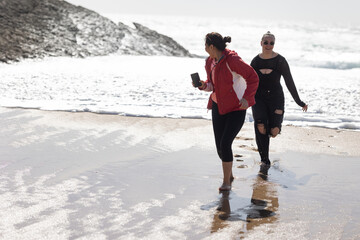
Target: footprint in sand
[(239, 156), (242, 166), (249, 147), (244, 138)]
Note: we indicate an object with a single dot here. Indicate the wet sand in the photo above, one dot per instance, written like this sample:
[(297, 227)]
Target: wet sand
[(89, 176)]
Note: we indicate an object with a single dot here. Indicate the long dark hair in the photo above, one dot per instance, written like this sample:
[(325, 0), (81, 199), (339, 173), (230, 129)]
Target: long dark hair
[(217, 40)]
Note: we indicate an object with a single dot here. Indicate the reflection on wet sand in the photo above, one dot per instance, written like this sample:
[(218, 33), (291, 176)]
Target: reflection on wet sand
[(262, 209), (264, 201), (222, 214)]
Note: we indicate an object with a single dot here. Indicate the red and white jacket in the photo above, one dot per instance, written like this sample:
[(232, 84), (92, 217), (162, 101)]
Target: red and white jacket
[(234, 79)]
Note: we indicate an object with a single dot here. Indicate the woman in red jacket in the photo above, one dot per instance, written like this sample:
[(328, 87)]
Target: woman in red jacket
[(233, 84)]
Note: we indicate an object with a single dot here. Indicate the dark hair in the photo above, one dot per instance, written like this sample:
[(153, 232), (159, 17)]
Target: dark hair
[(268, 34), (217, 40)]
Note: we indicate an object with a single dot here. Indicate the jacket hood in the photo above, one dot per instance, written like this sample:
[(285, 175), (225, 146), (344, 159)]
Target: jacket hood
[(228, 52)]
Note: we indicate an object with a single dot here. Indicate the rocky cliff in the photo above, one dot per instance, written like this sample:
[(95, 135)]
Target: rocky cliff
[(39, 28)]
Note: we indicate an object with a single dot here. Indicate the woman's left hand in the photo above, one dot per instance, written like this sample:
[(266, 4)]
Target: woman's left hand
[(244, 104), (304, 108)]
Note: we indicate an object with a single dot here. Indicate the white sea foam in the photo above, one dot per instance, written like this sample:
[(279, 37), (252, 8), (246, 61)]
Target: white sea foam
[(324, 63)]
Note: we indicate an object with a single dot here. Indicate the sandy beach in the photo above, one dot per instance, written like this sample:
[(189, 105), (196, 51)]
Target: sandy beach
[(94, 176)]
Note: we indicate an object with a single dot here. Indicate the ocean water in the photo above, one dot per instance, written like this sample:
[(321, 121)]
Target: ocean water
[(324, 60)]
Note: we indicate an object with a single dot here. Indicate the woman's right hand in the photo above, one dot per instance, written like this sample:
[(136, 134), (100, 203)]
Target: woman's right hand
[(203, 85)]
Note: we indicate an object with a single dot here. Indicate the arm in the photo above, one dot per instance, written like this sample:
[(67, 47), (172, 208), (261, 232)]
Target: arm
[(285, 71), (250, 76), (207, 85)]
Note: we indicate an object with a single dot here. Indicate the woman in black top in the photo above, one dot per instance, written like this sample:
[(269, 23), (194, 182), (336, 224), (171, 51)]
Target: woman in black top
[(268, 111)]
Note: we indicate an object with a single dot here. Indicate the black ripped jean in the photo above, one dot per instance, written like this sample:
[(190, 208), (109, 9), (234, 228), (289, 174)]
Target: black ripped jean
[(226, 127), (264, 113)]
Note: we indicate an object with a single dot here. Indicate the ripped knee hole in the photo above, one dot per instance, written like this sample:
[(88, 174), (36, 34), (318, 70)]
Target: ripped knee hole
[(261, 128)]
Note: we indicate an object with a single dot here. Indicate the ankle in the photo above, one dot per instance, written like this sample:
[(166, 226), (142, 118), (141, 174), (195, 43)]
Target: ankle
[(227, 182)]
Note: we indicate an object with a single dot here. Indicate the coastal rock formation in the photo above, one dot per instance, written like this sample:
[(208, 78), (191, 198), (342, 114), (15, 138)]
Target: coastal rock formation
[(39, 28)]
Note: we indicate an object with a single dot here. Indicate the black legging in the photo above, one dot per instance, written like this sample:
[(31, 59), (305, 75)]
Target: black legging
[(226, 127), (264, 113)]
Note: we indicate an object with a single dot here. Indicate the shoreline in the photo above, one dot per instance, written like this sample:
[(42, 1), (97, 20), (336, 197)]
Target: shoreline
[(288, 123), (83, 175), (327, 140)]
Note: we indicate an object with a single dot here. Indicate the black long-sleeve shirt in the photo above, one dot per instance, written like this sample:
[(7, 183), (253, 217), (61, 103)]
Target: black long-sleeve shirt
[(271, 81)]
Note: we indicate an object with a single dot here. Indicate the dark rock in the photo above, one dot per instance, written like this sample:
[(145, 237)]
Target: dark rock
[(39, 28)]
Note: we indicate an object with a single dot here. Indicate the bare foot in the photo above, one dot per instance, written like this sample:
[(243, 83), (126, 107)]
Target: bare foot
[(224, 187)]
